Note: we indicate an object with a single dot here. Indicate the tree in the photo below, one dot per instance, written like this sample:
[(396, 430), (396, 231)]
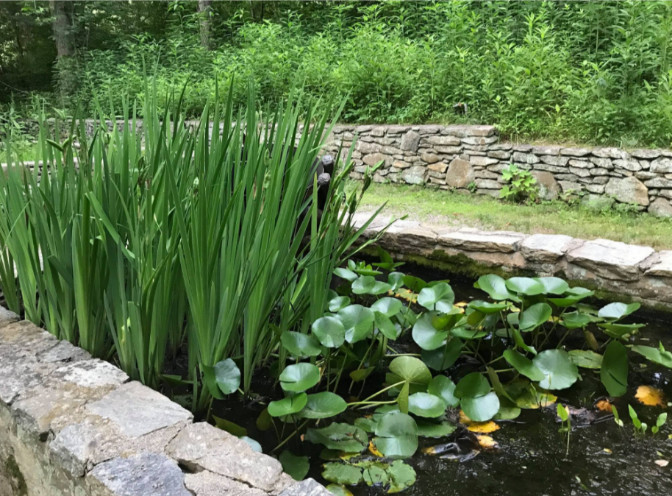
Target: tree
[(205, 24), (64, 38)]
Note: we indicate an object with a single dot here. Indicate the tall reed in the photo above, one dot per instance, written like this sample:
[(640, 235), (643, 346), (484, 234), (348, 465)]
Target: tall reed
[(142, 242)]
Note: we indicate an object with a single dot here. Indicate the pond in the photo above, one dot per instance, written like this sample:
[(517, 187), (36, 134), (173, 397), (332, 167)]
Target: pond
[(531, 455)]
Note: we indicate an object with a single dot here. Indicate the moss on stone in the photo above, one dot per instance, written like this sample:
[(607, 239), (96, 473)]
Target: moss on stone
[(13, 473)]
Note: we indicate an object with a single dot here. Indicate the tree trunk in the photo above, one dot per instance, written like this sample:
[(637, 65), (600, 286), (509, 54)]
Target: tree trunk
[(205, 11), (64, 38)]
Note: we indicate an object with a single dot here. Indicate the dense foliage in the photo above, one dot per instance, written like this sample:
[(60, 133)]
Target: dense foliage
[(583, 71)]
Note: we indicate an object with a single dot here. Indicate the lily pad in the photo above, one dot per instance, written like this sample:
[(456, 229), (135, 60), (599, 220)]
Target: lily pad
[(586, 359), (657, 355), (525, 286), (553, 285), (299, 344), (358, 322), (438, 297), (339, 436), (480, 408), (369, 285), (330, 331), (335, 304), (426, 336), (444, 388), (426, 405), (299, 377), (618, 310), (534, 316), (387, 306), (323, 405), (342, 473), (411, 369), (296, 466), (523, 365), (434, 429), (227, 376), (287, 406), (397, 435), (495, 286), (559, 371), (614, 370), (472, 385), (442, 358)]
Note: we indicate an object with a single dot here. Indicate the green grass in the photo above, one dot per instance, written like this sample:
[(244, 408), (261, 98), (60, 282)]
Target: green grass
[(453, 209)]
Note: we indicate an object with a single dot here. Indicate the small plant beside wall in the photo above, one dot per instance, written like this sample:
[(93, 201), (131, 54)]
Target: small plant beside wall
[(521, 186)]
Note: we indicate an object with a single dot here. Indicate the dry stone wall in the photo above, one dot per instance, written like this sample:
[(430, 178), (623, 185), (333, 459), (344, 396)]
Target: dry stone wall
[(471, 159), (72, 425), (615, 270)]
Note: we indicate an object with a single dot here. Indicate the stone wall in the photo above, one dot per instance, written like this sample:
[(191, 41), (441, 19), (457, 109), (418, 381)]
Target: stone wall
[(615, 270), (471, 159), (71, 425)]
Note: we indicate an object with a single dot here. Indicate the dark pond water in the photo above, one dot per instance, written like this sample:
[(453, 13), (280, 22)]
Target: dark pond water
[(603, 459)]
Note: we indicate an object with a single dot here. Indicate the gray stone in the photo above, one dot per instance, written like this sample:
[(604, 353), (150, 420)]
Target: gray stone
[(7, 317), (450, 150), (93, 373), (627, 164), (414, 175), (473, 240), (610, 153), (147, 474), (64, 352), (444, 140), (488, 184), (546, 149), (597, 189), (526, 158), (611, 259), (138, 410), (579, 172), (438, 167), (367, 148), (500, 154), (464, 131), (628, 190), (605, 163), (661, 208), (545, 248), (203, 446), (597, 201), (580, 164), (375, 158), (659, 182), (482, 161), (306, 487), (570, 186), (549, 189), (522, 148), (575, 152), (661, 166), (559, 161), (460, 173), (206, 483), (480, 141), (400, 164), (645, 153), (430, 158), (662, 266), (377, 131)]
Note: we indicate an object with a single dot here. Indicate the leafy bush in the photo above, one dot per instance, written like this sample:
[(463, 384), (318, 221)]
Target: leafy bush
[(521, 185)]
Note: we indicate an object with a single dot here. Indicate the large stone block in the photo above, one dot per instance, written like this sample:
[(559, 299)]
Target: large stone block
[(661, 166), (474, 240), (549, 189), (460, 173), (661, 208), (611, 259), (545, 248), (410, 141), (444, 140), (628, 190), (414, 175), (138, 410)]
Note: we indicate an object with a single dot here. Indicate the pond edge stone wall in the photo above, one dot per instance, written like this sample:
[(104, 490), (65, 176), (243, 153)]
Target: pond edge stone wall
[(74, 425), (615, 270), (470, 159)]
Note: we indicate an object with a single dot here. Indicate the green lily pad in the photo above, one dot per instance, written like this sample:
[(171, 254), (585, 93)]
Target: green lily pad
[(534, 316), (525, 286), (386, 326), (395, 280), (299, 344), (558, 369), (411, 370), (323, 405), (553, 285), (369, 285), (358, 322), (434, 429), (618, 310), (657, 355), (227, 376), (442, 358), (396, 435), (576, 320), (573, 296), (387, 306), (487, 307), (299, 377), (335, 304), (339, 436), (287, 406), (495, 286), (426, 336), (374, 474), (480, 408), (401, 476), (439, 296), (342, 473), (523, 365), (586, 359), (472, 385), (426, 405), (444, 388), (614, 370), (330, 331), (296, 466)]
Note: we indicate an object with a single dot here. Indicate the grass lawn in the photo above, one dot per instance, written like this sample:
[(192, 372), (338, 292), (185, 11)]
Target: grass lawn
[(453, 209)]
